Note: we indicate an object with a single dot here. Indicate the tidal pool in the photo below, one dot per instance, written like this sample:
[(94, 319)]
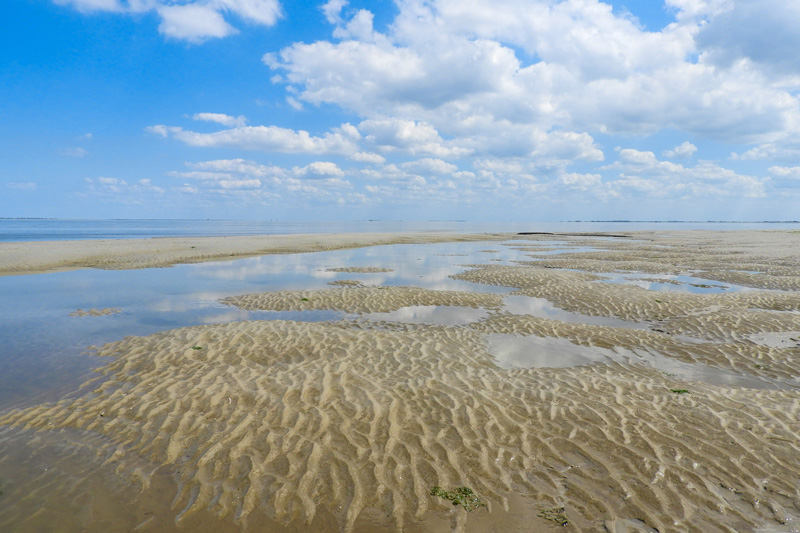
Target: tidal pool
[(512, 351), (431, 314), (671, 283), (44, 347), (543, 308)]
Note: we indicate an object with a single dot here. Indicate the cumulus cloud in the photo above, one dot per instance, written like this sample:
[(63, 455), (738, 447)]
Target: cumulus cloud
[(319, 170), (642, 168), (119, 190), (267, 138), (430, 166), (566, 66), (785, 172), (367, 157), (788, 150), (682, 151), (194, 20), (221, 118), (240, 184), (409, 135), (581, 182), (762, 31), (332, 10)]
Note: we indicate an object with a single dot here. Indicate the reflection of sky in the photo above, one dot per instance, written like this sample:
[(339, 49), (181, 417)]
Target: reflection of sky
[(510, 351), (43, 346), (542, 308), (431, 314), (680, 283)]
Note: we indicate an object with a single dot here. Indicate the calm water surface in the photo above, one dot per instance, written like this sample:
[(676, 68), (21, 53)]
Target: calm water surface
[(57, 229), (44, 348)]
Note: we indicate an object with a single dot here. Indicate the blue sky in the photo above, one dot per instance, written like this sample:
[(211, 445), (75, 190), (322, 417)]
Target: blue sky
[(414, 109)]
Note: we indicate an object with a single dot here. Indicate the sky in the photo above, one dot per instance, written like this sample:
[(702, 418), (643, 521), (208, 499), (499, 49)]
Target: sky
[(479, 110)]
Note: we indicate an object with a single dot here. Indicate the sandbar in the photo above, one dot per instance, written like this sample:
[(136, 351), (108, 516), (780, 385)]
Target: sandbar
[(19, 258), (271, 425)]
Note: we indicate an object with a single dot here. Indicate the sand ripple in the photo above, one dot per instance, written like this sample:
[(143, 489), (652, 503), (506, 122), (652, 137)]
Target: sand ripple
[(360, 299), (290, 419)]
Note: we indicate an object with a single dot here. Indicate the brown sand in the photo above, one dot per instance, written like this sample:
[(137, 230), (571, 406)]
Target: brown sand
[(287, 426), (54, 256), (96, 312)]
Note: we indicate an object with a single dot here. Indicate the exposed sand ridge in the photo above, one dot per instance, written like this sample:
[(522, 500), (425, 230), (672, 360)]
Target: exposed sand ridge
[(18, 258), (347, 425)]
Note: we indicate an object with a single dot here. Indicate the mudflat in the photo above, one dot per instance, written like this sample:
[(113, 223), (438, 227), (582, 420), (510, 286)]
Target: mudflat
[(350, 425)]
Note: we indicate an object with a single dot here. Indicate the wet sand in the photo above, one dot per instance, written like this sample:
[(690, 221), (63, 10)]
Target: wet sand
[(18, 258), (347, 425)]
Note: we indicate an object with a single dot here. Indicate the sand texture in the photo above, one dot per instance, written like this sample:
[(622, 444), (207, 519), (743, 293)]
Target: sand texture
[(359, 299), (96, 312), (347, 425), (53, 256)]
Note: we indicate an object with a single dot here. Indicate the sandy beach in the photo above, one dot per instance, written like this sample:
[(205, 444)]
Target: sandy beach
[(19, 258), (640, 409)]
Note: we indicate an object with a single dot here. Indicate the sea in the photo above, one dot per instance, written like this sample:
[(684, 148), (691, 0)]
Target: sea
[(17, 230)]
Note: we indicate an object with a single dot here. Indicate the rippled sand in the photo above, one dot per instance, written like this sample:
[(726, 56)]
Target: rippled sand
[(96, 312), (289, 426), (18, 258)]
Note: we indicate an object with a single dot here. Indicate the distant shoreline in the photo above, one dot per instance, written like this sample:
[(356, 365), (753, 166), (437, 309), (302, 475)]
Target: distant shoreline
[(35, 257)]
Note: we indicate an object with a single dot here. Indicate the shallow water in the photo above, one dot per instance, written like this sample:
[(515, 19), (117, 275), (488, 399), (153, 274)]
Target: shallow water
[(542, 308), (671, 283), (44, 352), (512, 351), (431, 314), (282, 410), (44, 347)]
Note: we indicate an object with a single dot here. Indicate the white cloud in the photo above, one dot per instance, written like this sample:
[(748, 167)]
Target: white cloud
[(264, 12), (111, 181), (763, 31), (684, 150), (92, 5), (409, 135), (22, 185), (192, 20), (706, 178), (788, 150), (332, 10), (367, 157), (785, 172), (430, 166), (267, 138), (460, 68), (294, 103), (240, 166), (119, 190), (240, 184), (318, 170), (359, 28), (221, 118), (581, 182), (73, 152)]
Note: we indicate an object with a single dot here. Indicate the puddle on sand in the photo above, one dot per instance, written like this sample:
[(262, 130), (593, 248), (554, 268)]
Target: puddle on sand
[(778, 339), (430, 314), (543, 308), (512, 351), (671, 283)]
